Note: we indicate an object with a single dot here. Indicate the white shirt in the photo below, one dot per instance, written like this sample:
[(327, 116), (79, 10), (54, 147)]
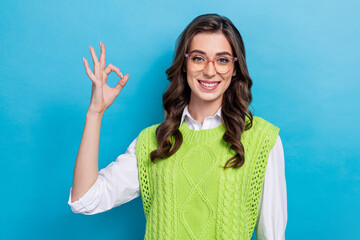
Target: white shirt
[(118, 183)]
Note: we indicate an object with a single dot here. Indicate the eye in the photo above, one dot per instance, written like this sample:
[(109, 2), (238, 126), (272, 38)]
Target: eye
[(223, 60), (198, 58)]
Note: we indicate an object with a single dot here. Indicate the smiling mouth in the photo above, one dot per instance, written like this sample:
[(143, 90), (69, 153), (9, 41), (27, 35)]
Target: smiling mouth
[(208, 83)]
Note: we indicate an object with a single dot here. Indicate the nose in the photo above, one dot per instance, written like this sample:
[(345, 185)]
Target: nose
[(209, 69)]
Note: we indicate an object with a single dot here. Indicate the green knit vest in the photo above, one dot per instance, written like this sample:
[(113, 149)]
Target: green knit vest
[(190, 196)]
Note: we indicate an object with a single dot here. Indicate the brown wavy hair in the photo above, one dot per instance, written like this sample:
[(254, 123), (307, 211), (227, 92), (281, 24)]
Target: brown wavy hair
[(236, 98)]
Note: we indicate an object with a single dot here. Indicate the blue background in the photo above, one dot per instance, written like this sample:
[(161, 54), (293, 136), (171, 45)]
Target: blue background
[(303, 58)]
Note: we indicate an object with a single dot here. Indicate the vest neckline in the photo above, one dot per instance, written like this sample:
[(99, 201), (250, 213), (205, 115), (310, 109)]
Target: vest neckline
[(202, 136)]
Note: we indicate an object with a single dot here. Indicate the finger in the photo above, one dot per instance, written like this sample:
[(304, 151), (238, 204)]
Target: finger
[(95, 59), (88, 70), (121, 84), (102, 55), (110, 68)]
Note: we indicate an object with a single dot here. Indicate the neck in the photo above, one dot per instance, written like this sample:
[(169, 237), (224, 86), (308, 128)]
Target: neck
[(200, 110)]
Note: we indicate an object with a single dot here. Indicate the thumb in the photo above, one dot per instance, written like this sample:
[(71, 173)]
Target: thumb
[(121, 84)]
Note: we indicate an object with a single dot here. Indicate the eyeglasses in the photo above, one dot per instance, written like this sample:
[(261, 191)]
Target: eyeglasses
[(222, 63)]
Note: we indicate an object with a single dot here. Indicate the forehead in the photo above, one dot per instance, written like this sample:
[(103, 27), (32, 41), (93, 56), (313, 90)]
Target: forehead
[(210, 43)]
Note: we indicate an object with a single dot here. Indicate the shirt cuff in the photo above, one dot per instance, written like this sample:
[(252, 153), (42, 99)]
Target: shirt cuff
[(87, 203)]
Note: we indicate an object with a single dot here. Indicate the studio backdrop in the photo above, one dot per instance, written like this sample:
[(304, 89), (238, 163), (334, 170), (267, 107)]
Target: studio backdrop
[(303, 58)]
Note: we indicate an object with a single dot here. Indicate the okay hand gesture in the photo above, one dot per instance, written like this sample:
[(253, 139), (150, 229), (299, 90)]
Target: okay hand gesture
[(102, 96)]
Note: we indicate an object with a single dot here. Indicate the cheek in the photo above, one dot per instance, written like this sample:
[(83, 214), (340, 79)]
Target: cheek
[(228, 78), (188, 78), (228, 81), (191, 76)]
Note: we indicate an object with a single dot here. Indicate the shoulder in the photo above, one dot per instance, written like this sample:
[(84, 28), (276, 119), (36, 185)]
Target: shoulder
[(151, 130), (146, 138), (260, 123), (264, 129)]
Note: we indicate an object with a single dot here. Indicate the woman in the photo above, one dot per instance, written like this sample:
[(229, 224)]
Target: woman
[(201, 172)]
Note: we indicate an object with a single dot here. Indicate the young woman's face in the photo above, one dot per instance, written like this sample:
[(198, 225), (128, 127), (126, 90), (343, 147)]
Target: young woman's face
[(202, 82)]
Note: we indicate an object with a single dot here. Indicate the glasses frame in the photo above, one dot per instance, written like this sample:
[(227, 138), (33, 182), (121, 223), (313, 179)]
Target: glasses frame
[(234, 59)]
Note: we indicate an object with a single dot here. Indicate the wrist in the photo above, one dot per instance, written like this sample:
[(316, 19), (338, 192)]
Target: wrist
[(93, 114)]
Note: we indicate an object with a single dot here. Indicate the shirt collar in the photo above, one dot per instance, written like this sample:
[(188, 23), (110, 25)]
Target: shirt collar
[(187, 114)]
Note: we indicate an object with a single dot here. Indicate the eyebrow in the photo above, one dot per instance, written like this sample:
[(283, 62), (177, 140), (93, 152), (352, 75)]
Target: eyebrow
[(202, 52)]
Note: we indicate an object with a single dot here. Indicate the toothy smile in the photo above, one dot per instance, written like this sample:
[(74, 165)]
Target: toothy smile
[(208, 83)]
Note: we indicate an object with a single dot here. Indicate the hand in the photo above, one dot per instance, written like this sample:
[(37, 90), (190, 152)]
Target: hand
[(102, 96)]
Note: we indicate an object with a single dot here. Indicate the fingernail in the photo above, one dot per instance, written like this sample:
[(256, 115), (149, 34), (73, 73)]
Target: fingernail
[(121, 75), (100, 43), (89, 47)]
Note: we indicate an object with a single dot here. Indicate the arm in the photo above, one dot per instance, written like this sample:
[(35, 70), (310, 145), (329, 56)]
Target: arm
[(116, 184), (102, 96), (272, 217), (86, 165)]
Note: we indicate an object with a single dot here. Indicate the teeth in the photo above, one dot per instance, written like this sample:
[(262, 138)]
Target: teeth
[(208, 84)]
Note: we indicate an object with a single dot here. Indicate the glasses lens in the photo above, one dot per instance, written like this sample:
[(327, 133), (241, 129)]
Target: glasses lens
[(197, 62), (223, 64)]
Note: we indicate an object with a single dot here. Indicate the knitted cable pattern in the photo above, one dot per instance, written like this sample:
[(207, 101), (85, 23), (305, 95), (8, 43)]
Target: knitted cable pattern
[(190, 196), (241, 191)]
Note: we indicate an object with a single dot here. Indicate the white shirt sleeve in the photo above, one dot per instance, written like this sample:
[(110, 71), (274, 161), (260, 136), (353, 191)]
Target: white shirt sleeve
[(116, 184), (272, 217)]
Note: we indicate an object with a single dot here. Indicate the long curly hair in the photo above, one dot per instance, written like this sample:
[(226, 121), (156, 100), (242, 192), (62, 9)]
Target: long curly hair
[(235, 102)]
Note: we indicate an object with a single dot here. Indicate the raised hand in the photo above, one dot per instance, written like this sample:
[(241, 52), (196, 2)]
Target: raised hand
[(102, 96)]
